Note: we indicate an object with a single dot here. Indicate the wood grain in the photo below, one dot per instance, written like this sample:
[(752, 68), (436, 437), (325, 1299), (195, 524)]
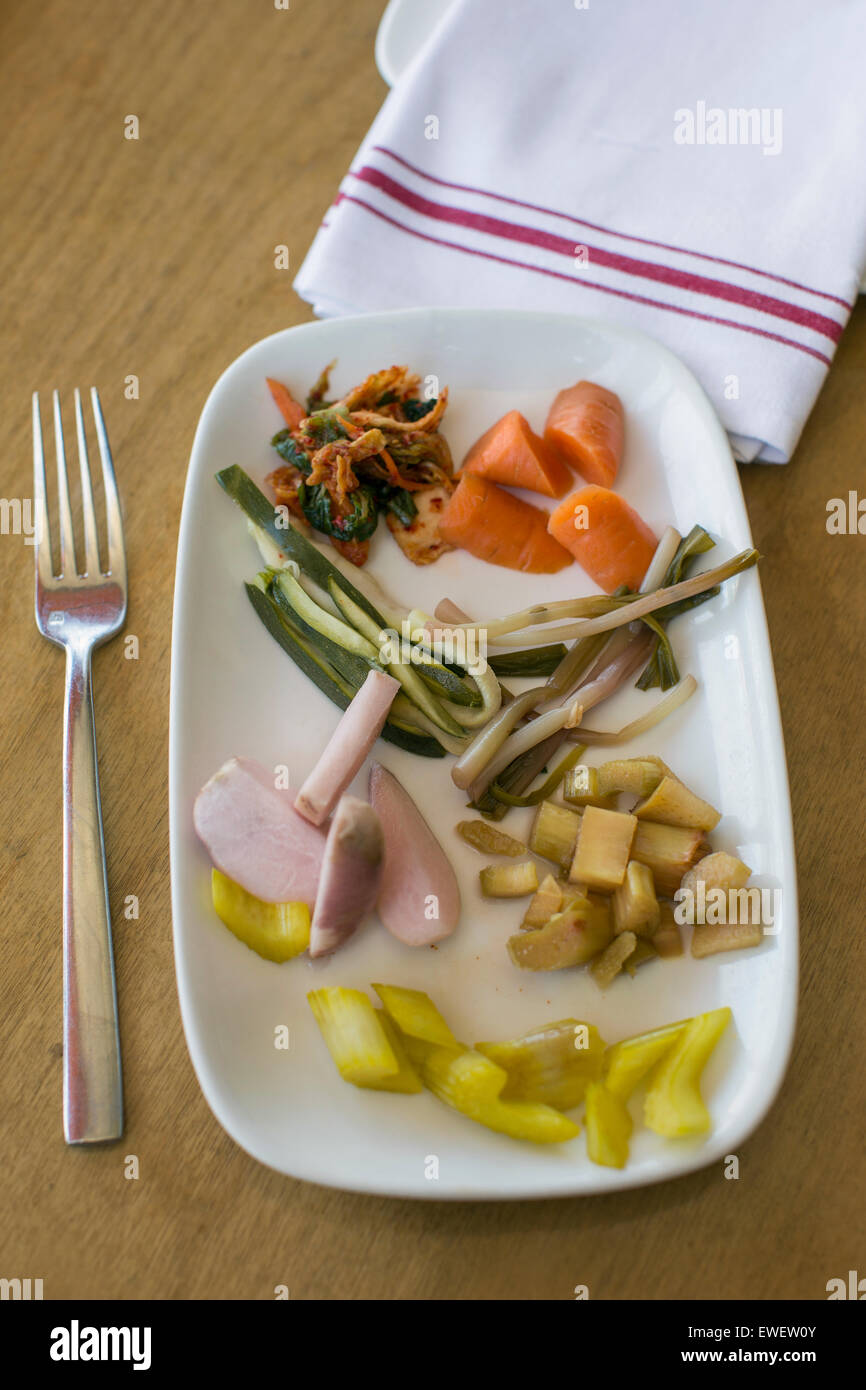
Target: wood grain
[(155, 258)]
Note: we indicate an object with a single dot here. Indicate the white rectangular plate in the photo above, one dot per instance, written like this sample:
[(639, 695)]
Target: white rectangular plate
[(235, 692)]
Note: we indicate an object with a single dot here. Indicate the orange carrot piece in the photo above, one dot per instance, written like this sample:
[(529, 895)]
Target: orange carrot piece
[(585, 424), (292, 412), (511, 453), (500, 528), (605, 535)]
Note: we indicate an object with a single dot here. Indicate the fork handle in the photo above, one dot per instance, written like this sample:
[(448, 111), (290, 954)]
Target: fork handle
[(92, 1092)]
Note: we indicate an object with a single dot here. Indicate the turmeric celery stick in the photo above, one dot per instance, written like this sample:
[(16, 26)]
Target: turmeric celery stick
[(407, 1079), (635, 905), (552, 1065), (354, 1036), (545, 902), (601, 854), (458, 1075), (672, 803), (673, 1106), (470, 1083), (416, 1015), (523, 1119), (608, 1127), (626, 1063), (276, 931)]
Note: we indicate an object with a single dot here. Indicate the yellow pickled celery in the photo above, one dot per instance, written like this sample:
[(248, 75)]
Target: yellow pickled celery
[(458, 1075), (626, 1063), (276, 931), (407, 1080), (608, 1127), (552, 1065), (523, 1119), (416, 1015), (673, 1106), (471, 1083), (354, 1036)]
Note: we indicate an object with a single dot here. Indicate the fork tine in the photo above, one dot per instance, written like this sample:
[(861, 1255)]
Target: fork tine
[(67, 538), (42, 540), (116, 551), (91, 543)]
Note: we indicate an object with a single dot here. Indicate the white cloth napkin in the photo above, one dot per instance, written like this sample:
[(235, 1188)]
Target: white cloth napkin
[(696, 171)]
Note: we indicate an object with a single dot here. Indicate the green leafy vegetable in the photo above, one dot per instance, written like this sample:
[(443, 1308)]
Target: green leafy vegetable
[(357, 525), (289, 450), (400, 502), (325, 426), (414, 409)]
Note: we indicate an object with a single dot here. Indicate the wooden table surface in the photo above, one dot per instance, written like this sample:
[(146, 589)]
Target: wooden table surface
[(154, 258)]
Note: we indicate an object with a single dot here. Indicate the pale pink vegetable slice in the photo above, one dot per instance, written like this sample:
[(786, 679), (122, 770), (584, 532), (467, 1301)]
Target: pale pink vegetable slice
[(254, 835), (348, 746), (351, 875), (419, 900)]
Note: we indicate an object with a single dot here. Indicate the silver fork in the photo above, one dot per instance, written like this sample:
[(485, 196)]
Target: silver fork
[(79, 611)]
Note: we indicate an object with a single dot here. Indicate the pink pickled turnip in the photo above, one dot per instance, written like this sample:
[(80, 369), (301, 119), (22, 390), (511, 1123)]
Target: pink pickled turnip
[(351, 875), (254, 835), (348, 746), (419, 900)]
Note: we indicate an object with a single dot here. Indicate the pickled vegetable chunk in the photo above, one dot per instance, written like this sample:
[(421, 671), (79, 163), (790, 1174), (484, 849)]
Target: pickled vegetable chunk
[(354, 1036), (674, 1106), (509, 880), (603, 847), (552, 1065), (415, 1014), (672, 803), (275, 931), (626, 1063), (554, 832), (571, 937), (608, 1127)]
